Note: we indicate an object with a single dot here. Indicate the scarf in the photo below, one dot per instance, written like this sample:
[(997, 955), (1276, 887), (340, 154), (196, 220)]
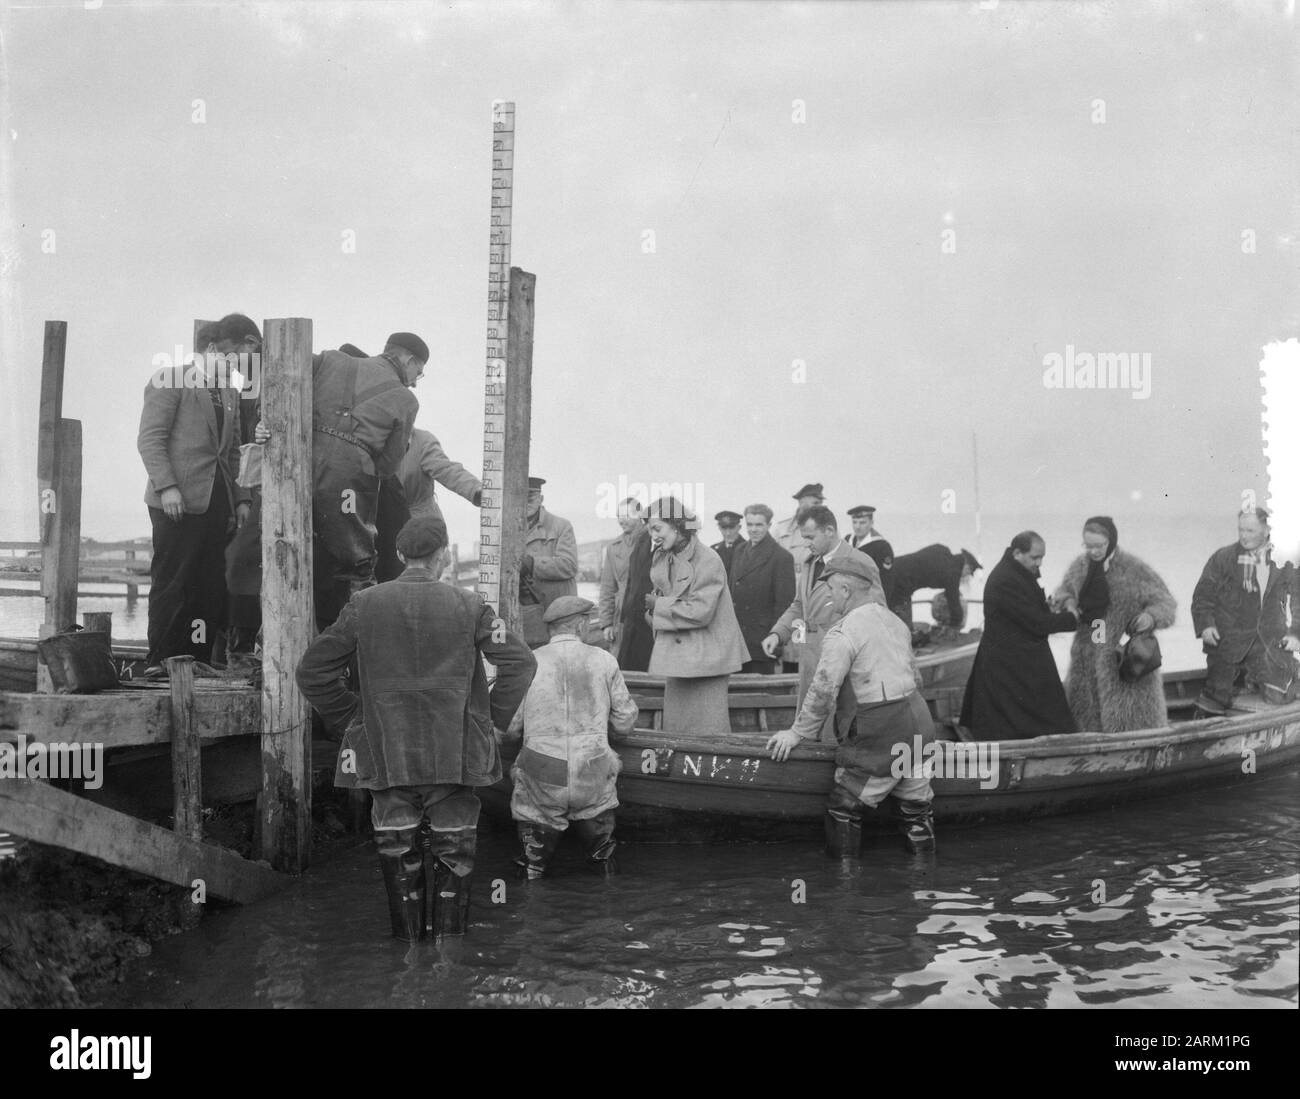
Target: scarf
[(1094, 595), (1250, 560)]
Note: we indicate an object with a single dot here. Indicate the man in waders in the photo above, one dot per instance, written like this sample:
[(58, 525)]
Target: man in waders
[(566, 771), (421, 736), (867, 678)]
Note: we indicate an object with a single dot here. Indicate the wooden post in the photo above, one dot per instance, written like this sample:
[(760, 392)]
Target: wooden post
[(516, 441), (287, 611), (187, 776), (100, 622), (60, 555), (47, 435)]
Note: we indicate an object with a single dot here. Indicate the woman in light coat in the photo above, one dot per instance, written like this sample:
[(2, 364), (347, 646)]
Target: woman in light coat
[(1116, 594), (698, 643)]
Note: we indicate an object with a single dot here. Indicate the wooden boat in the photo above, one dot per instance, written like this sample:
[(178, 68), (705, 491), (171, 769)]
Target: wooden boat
[(679, 788)]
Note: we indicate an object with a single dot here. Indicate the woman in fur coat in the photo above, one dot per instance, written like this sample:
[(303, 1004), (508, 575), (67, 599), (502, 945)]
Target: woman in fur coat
[(1126, 594)]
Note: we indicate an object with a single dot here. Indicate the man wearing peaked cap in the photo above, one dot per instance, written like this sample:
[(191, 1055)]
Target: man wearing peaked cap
[(565, 772), (865, 538), (932, 567), (871, 650), (729, 527), (423, 746), (549, 567)]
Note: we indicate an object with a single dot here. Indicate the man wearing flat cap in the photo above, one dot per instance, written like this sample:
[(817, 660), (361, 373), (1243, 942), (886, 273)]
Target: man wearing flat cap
[(420, 735), (864, 537), (867, 681), (566, 771), (729, 527), (363, 410), (549, 568)]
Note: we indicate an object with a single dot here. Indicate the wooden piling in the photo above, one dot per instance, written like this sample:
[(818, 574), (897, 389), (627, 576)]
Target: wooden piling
[(516, 441), (187, 777), (100, 622), (287, 610), (51, 411)]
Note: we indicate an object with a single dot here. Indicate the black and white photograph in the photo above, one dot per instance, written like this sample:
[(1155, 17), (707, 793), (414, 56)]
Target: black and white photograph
[(572, 504)]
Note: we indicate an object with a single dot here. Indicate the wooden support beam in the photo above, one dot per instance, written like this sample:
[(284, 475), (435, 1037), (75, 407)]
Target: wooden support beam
[(287, 610), (187, 781), (45, 814), (60, 559), (60, 554), (125, 718), (516, 442), (187, 775)]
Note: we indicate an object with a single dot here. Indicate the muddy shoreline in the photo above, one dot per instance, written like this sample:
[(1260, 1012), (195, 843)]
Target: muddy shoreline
[(70, 924)]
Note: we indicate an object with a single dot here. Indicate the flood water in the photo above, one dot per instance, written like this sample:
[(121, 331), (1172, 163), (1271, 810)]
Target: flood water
[(1199, 911)]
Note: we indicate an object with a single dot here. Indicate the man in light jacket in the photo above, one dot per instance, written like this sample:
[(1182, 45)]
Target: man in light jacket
[(566, 771), (189, 442), (421, 735), (811, 613)]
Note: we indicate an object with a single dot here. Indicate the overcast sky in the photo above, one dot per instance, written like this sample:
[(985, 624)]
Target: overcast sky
[(921, 203)]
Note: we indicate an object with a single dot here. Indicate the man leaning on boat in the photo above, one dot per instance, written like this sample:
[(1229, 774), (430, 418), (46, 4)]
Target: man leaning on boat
[(871, 648)]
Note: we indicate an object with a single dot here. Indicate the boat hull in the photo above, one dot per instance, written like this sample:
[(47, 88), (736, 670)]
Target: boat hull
[(678, 788)]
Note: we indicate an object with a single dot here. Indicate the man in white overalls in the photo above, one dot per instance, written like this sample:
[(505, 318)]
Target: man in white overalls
[(566, 771)]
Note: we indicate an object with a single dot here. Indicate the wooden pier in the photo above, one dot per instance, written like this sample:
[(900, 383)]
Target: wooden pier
[(187, 712)]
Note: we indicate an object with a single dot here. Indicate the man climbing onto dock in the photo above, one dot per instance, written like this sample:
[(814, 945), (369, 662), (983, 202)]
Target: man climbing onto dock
[(421, 736)]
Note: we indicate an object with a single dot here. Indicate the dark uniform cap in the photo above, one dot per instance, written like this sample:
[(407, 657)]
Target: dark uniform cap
[(422, 537), (409, 341), (536, 482), (854, 564), (810, 490), (861, 510), (566, 606), (727, 517)]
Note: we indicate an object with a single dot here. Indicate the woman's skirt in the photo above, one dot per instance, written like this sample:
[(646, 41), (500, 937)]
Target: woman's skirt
[(697, 706)]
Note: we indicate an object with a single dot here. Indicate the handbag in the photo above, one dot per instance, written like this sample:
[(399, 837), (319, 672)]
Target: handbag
[(1140, 656)]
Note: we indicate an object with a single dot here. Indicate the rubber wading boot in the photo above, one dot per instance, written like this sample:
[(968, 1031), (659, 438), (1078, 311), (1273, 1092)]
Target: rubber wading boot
[(597, 837), (539, 844), (843, 820), (405, 883), (450, 897), (918, 826)]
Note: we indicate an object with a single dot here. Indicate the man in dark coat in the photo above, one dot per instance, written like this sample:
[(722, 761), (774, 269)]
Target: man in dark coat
[(729, 527), (421, 735), (762, 586), (638, 639), (1014, 691), (1239, 610), (932, 567)]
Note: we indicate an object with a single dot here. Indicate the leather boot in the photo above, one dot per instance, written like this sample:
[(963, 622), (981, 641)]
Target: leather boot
[(404, 882), (597, 837), (449, 910), (843, 821), (918, 826), (539, 844)]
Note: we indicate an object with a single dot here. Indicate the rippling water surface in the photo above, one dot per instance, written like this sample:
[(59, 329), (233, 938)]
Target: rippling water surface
[(1188, 901)]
